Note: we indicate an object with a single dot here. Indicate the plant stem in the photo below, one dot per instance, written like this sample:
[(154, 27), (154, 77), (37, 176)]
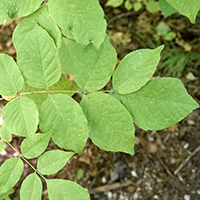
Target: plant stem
[(26, 161)]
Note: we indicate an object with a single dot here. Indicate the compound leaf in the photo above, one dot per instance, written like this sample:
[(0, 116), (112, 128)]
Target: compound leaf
[(81, 20), (91, 68), (136, 69), (20, 8), (10, 76), (161, 103), (5, 134), (41, 17), (38, 58), (51, 162), (21, 116), (111, 126), (10, 172), (35, 144), (188, 8), (61, 114), (64, 189), (31, 188)]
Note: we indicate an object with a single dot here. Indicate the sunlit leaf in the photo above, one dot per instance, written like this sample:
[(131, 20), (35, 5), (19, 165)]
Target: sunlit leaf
[(2, 146), (188, 8), (31, 188), (5, 196), (166, 8), (20, 8), (51, 162), (61, 114), (64, 189), (10, 76), (21, 116), (41, 17), (111, 127), (136, 69), (10, 172), (38, 59), (35, 144), (81, 20), (5, 134), (161, 103)]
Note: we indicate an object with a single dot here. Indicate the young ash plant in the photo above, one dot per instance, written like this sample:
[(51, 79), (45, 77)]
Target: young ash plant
[(69, 36)]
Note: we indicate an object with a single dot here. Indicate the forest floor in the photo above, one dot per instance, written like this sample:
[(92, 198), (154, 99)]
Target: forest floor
[(166, 163)]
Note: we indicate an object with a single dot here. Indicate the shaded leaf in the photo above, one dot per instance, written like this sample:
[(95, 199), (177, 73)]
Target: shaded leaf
[(10, 172), (111, 127), (64, 189), (10, 76), (38, 58), (81, 20), (31, 188), (39, 95), (136, 69), (91, 68), (34, 145), (5, 134), (166, 8), (61, 114), (161, 103), (21, 116), (51, 162), (189, 8), (41, 17)]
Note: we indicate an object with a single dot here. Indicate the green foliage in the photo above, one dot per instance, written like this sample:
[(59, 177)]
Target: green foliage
[(70, 37)]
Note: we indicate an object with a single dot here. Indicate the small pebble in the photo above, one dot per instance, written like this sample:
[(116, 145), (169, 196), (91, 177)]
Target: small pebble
[(103, 180), (109, 195), (186, 146), (186, 197), (198, 191), (134, 173)]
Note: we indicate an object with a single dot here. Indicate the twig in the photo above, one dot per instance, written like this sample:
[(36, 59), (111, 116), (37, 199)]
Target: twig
[(120, 16), (165, 167), (186, 160)]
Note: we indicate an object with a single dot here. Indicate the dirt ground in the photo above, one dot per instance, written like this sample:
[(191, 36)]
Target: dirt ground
[(166, 164)]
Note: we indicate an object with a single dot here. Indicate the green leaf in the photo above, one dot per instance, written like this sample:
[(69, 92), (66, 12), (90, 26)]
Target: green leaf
[(128, 5), (64, 189), (31, 188), (152, 6), (111, 127), (114, 3), (137, 6), (166, 8), (161, 103), (21, 116), (91, 68), (5, 196), (39, 95), (81, 20), (20, 8), (2, 146), (5, 134), (10, 172), (51, 162), (10, 76), (4, 5), (35, 144), (41, 17), (136, 69), (38, 58), (189, 8), (61, 114)]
